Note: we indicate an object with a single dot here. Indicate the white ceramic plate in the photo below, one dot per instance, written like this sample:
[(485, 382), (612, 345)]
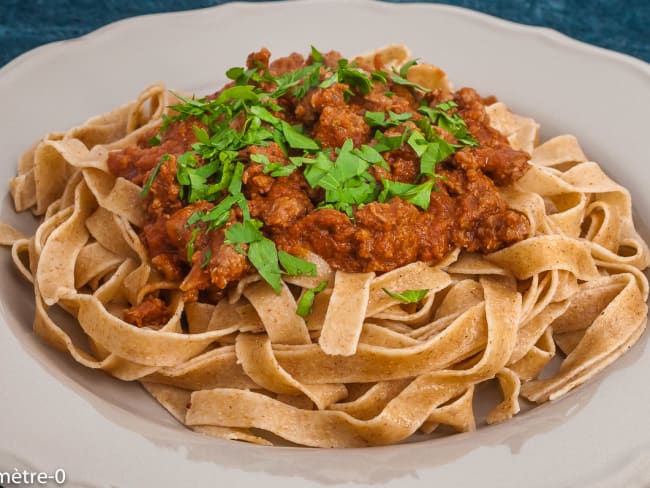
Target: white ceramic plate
[(56, 414)]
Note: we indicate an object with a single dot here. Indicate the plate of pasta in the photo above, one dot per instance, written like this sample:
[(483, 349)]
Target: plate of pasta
[(327, 247)]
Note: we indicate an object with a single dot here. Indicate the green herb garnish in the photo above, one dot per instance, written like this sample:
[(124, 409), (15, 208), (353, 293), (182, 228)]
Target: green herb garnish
[(250, 113), (306, 301), (452, 123), (408, 296), (190, 244), (296, 266), (378, 119), (264, 256), (154, 173), (419, 195)]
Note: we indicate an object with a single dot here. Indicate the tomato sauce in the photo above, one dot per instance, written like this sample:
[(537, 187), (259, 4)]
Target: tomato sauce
[(466, 210)]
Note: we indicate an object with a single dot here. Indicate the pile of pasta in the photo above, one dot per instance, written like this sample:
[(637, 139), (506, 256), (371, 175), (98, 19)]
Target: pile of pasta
[(361, 369)]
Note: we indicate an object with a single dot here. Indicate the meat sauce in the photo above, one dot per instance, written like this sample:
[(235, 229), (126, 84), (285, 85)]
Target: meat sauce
[(466, 210)]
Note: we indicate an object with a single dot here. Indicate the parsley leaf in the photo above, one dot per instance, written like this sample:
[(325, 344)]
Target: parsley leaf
[(201, 134), (351, 75), (218, 216), (262, 252), (264, 115), (380, 76), (430, 152), (316, 168), (236, 180), (264, 256), (452, 123), (244, 232), (378, 119), (154, 173), (419, 195), (436, 152), (235, 73), (408, 296), (207, 255), (307, 299), (346, 181), (295, 266), (239, 92), (375, 119), (275, 169), (400, 79), (316, 55), (371, 155), (155, 140), (190, 244), (390, 143), (403, 71), (296, 140)]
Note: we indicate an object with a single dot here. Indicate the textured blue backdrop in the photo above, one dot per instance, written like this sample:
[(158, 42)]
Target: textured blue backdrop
[(617, 25)]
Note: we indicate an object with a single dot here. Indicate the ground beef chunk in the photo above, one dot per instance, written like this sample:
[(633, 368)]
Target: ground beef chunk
[(331, 59), (494, 155), (226, 264), (433, 227), (336, 125), (259, 59), (385, 238), (170, 265), (403, 163), (495, 162), (338, 121), (136, 162), (334, 96), (286, 200), (326, 232), (287, 64), (151, 312), (378, 101), (482, 217)]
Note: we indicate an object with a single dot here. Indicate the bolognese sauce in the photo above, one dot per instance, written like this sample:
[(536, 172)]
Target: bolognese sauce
[(295, 124)]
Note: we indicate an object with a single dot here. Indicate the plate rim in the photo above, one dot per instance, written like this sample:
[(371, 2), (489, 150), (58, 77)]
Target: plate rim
[(495, 22), (547, 32)]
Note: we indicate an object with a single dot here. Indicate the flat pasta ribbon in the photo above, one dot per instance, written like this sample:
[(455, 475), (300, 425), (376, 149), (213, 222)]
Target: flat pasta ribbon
[(361, 367)]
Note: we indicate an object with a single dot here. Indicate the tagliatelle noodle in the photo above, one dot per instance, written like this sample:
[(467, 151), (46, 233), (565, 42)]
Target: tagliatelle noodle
[(360, 368), (345, 313), (175, 400), (277, 313)]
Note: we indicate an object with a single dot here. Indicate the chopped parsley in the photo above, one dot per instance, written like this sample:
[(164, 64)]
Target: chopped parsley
[(244, 232), (430, 152), (250, 113), (350, 74), (295, 266), (408, 296), (399, 78), (296, 139), (263, 254), (190, 245), (452, 123), (154, 173), (390, 143), (346, 180), (418, 195), (306, 301), (379, 119)]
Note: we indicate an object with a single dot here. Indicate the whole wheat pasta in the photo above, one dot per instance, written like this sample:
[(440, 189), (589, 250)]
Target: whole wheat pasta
[(358, 366)]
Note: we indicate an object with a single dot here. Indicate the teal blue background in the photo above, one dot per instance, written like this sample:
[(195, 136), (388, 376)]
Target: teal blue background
[(619, 25)]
